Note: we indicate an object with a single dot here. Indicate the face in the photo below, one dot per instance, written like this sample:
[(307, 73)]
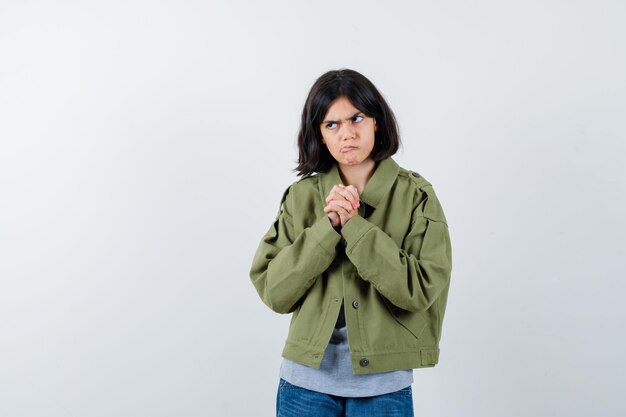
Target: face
[(348, 133)]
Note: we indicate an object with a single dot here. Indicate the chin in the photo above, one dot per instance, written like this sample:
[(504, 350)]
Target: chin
[(351, 161)]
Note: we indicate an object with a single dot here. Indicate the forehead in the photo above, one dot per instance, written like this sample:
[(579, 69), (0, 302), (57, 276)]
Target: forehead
[(341, 108)]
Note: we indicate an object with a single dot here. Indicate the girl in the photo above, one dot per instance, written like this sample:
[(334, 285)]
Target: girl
[(359, 253)]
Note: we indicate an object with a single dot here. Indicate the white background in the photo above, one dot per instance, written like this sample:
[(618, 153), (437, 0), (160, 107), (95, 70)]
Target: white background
[(144, 147)]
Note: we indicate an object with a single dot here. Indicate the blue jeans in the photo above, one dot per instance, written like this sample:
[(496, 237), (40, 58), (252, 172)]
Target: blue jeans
[(293, 401)]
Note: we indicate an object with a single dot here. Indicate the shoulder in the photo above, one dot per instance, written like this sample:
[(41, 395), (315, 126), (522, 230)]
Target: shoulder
[(426, 199), (304, 186), (414, 178)]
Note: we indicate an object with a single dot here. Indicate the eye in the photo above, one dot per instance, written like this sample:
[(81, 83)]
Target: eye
[(331, 125), (357, 118)]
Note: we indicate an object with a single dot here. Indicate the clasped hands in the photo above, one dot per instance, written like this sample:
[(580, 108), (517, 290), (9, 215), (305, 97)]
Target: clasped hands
[(342, 203)]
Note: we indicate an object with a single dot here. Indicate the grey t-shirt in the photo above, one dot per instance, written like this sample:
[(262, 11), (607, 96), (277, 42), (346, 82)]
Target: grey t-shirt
[(335, 375)]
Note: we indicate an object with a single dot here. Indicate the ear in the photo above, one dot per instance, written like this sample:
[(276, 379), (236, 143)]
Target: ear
[(375, 126)]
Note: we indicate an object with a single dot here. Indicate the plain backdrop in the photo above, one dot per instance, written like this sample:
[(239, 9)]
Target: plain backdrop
[(144, 147)]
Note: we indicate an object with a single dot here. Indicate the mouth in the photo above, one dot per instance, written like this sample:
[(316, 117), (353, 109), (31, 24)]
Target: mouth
[(348, 148)]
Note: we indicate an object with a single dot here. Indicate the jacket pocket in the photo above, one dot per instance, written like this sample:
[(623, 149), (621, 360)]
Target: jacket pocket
[(415, 323)]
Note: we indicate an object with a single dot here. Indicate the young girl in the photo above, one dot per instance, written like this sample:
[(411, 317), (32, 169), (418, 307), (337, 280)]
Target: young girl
[(359, 253)]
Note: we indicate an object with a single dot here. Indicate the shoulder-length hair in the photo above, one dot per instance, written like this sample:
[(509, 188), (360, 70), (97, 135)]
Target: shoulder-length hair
[(313, 155)]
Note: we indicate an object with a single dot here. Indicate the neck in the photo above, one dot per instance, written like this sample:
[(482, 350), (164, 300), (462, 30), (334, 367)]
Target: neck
[(357, 175)]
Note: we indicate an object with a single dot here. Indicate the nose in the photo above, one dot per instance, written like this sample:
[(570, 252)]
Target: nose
[(349, 131)]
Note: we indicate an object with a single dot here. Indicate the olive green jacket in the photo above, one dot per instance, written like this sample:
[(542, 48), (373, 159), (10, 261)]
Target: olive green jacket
[(389, 266)]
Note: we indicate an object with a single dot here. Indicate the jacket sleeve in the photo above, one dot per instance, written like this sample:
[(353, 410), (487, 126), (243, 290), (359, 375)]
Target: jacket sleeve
[(285, 266), (411, 276)]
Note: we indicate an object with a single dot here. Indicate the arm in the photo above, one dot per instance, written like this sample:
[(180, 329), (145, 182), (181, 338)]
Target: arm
[(411, 276), (286, 266)]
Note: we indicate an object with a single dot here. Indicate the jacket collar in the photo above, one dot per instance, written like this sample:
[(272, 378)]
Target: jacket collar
[(376, 188)]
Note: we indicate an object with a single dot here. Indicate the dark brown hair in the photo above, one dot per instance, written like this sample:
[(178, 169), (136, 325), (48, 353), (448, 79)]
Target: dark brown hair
[(313, 155)]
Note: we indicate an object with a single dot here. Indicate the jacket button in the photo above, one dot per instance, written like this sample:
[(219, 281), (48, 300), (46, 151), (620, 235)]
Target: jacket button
[(364, 362), (415, 174), (343, 242), (356, 304)]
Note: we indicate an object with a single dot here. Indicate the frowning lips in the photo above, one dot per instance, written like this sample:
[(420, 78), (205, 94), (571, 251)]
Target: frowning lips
[(347, 148)]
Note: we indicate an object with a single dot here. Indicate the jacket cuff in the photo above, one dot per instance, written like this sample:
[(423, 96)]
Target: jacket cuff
[(326, 235), (354, 230)]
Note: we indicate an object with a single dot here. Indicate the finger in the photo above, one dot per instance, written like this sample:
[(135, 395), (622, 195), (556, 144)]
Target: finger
[(342, 215), (345, 216), (352, 194), (332, 207), (335, 220), (355, 194), (343, 204), (335, 192), (349, 193)]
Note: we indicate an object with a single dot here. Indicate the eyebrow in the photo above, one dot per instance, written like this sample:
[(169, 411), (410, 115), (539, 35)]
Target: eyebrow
[(351, 117)]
